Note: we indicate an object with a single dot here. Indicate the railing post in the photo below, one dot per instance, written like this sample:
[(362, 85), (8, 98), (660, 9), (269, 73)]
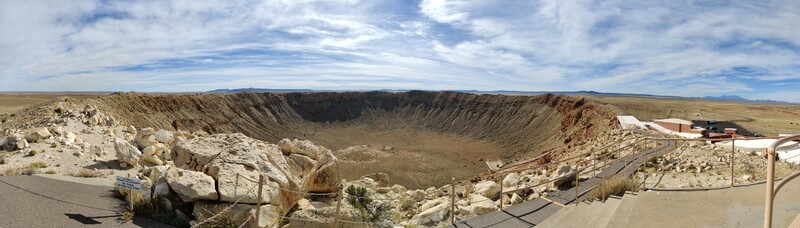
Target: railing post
[(453, 202), (501, 190), (258, 201), (236, 186), (733, 155), (577, 181), (338, 206)]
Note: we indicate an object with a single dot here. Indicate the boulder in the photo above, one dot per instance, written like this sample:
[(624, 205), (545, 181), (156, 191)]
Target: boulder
[(511, 180), (487, 188), (131, 129), (69, 138), (320, 217), (38, 135), (239, 213), (381, 178), (516, 199), (480, 205), (431, 216), (143, 141), (287, 146), (223, 156), (398, 188), (417, 195), (164, 136), (127, 153), (13, 142), (191, 185)]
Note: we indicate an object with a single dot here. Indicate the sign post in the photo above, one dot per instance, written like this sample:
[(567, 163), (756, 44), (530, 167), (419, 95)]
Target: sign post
[(130, 184)]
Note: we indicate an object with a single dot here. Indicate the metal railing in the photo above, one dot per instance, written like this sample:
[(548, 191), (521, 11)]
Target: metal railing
[(771, 190)]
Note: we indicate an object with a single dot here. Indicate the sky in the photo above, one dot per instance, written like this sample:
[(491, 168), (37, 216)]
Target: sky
[(671, 47)]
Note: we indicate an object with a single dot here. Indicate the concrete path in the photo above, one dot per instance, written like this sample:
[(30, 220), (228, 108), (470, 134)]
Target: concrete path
[(34, 201), (532, 212)]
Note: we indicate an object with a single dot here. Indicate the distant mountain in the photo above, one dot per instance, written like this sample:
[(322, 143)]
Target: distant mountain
[(582, 92), (260, 90), (738, 98)]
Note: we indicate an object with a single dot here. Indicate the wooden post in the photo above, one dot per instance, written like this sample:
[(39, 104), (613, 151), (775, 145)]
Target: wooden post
[(258, 200), (338, 206), (453, 203), (130, 197), (733, 155)]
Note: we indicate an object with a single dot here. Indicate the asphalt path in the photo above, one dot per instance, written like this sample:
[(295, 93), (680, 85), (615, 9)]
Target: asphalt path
[(35, 201)]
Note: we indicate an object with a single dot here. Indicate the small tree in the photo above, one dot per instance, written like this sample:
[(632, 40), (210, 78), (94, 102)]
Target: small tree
[(370, 210)]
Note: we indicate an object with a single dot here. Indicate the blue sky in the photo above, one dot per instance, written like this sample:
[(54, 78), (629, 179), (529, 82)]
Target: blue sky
[(683, 48)]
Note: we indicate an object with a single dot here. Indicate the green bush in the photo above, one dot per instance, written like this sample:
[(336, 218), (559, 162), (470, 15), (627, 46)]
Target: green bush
[(371, 211)]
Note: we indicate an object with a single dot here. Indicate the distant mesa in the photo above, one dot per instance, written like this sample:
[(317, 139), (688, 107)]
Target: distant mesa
[(738, 98)]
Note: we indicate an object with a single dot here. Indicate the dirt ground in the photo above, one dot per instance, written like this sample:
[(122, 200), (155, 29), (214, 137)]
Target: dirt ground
[(769, 119), (413, 157), (12, 102)]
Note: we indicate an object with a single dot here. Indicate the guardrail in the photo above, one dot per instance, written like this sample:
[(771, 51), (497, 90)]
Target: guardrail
[(771, 190)]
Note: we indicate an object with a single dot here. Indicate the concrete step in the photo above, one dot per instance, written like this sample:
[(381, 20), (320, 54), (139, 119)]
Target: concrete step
[(569, 219), (620, 217), (604, 215), (580, 220), (555, 219)]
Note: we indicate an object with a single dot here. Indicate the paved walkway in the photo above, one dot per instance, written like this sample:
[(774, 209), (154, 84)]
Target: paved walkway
[(532, 212), (34, 201)]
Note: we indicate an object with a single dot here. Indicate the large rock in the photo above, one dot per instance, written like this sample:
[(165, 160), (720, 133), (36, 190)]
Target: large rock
[(146, 137), (191, 185), (432, 215), (38, 135), (511, 180), (13, 142), (381, 178), (164, 136), (286, 176), (320, 217), (487, 188), (479, 205), (238, 214), (127, 153)]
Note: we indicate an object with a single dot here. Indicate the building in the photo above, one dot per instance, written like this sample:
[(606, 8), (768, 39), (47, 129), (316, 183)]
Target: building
[(680, 126), (730, 131)]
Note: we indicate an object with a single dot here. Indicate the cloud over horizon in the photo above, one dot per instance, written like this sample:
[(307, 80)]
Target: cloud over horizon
[(684, 48)]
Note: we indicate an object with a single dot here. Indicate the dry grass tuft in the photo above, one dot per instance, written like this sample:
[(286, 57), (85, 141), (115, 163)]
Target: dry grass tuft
[(87, 173), (614, 186)]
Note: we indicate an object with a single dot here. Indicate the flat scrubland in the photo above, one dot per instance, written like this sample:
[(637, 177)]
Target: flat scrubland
[(13, 102), (769, 119)]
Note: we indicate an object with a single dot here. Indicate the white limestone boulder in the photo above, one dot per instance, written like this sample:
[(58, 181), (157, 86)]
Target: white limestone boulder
[(192, 185)]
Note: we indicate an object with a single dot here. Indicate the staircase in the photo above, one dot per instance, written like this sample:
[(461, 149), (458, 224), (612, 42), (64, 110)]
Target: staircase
[(612, 213)]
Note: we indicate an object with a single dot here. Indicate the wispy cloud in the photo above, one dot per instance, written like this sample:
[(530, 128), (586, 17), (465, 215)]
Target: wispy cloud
[(689, 48)]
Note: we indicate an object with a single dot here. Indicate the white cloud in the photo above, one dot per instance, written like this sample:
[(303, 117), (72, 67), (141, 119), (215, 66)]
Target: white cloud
[(676, 48)]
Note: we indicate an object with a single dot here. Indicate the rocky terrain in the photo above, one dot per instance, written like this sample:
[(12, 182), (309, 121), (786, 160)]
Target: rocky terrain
[(202, 171), (421, 128)]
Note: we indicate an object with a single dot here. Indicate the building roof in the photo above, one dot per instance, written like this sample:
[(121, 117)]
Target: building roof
[(675, 120)]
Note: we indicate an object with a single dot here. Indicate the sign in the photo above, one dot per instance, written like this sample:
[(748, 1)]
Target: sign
[(129, 183)]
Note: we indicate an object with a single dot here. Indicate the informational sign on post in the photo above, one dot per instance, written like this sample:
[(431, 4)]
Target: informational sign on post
[(129, 183)]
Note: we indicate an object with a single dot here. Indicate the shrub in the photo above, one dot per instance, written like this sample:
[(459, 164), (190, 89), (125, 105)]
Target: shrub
[(32, 153), (152, 208), (615, 186), (87, 173), (25, 170), (57, 110), (38, 165), (50, 172), (370, 210)]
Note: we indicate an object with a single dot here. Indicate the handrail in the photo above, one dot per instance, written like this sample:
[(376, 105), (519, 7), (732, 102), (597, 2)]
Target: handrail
[(771, 191), (635, 141)]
